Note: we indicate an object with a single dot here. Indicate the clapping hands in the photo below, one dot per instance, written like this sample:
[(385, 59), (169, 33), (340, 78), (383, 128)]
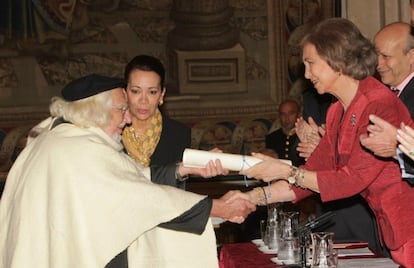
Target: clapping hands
[(309, 134), (381, 139)]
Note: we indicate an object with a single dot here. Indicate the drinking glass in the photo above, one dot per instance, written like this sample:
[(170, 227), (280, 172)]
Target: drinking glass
[(323, 254), (289, 250), (272, 214), (289, 246), (289, 224), (273, 236)]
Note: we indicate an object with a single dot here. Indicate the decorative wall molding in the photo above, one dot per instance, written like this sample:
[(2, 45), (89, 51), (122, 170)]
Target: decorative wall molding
[(192, 114), (16, 116)]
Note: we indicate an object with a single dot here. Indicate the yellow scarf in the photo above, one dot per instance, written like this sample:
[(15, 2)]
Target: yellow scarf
[(141, 147)]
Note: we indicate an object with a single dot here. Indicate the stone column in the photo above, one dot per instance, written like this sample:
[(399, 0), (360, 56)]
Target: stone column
[(203, 50), (202, 25)]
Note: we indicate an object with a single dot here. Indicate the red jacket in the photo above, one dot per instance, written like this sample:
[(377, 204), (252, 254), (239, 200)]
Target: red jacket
[(344, 168)]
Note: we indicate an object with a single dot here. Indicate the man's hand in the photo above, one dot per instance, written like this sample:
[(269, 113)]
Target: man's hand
[(381, 139), (235, 210)]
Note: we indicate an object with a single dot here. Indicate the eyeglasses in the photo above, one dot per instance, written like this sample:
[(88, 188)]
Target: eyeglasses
[(122, 109)]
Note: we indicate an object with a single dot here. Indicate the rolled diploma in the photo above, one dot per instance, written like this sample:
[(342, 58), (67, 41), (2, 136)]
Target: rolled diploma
[(234, 162)]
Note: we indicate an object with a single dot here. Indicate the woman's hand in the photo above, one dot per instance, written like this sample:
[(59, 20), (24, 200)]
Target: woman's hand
[(305, 149), (279, 191), (405, 137), (211, 169), (236, 194), (308, 131), (267, 170), (309, 134)]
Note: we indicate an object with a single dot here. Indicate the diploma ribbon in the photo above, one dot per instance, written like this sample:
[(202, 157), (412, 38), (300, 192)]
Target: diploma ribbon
[(246, 184), (242, 167)]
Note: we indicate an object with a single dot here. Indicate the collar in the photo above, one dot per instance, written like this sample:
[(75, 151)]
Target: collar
[(404, 83)]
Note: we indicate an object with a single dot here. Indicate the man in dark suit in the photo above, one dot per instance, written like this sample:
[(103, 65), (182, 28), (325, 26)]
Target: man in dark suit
[(395, 47), (284, 140)]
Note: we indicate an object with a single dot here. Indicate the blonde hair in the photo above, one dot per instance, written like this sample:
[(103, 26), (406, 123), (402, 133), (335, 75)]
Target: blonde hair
[(94, 111)]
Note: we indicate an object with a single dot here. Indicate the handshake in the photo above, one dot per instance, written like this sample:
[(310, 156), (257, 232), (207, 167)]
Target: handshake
[(232, 207)]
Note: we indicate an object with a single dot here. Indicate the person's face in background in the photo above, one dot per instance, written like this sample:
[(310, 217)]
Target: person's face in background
[(144, 94), (395, 63), (288, 113), (120, 115)]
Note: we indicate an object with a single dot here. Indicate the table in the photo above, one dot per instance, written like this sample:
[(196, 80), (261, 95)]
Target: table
[(247, 255), (244, 255)]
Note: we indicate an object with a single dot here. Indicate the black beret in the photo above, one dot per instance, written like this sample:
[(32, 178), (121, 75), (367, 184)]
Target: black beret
[(90, 85)]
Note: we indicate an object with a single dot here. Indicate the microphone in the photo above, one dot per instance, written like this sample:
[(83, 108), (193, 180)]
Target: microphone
[(317, 222)]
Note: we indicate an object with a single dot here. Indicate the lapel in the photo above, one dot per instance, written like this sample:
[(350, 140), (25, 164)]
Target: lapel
[(407, 95), (344, 129)]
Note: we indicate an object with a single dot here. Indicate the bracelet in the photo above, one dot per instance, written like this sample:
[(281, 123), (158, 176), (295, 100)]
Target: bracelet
[(296, 177), (293, 175), (264, 195), (178, 177), (300, 180), (261, 196)]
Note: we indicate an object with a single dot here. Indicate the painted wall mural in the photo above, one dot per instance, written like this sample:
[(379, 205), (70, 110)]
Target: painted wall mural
[(46, 43)]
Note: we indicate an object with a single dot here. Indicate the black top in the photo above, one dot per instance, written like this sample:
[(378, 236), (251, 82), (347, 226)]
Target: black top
[(175, 137), (407, 97), (284, 146)]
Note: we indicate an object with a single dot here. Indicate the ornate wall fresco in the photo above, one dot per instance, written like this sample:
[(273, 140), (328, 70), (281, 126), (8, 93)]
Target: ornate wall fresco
[(412, 14), (46, 43)]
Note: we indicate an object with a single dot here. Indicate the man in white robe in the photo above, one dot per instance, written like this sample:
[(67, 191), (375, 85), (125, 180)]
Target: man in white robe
[(73, 198)]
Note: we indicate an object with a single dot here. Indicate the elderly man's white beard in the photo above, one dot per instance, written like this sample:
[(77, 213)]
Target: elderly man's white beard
[(117, 137)]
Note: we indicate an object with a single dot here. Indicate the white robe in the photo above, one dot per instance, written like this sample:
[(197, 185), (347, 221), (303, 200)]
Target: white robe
[(74, 199)]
